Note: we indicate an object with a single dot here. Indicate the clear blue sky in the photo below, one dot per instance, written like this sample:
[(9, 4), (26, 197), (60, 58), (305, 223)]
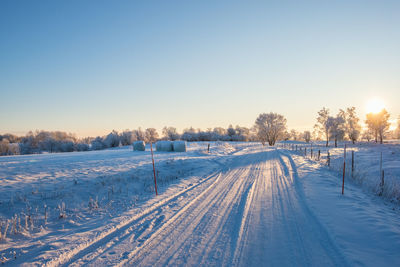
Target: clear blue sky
[(92, 66)]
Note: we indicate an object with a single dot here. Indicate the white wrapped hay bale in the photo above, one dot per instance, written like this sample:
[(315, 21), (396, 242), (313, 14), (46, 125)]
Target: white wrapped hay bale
[(179, 146), (139, 146), (164, 146)]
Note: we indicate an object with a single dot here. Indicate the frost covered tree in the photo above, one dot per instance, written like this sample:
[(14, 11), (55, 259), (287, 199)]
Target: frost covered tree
[(126, 137), (367, 134), (242, 134), (353, 127), (190, 134), (307, 136), (294, 135), (82, 147), (322, 124), (139, 134), (151, 135), (11, 138), (97, 143), (231, 132), (378, 123), (112, 139), (336, 127), (170, 133), (4, 147), (270, 127), (397, 131), (218, 133)]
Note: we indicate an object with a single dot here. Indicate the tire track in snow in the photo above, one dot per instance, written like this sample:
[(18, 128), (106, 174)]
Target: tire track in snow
[(195, 235), (104, 239), (253, 214)]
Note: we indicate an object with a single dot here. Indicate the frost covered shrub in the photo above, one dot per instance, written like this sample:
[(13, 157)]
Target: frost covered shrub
[(126, 137), (82, 147), (139, 146), (7, 148), (66, 146), (170, 133), (97, 144), (112, 139)]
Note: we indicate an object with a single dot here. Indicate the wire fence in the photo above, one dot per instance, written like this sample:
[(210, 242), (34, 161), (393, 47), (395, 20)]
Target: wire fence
[(374, 167)]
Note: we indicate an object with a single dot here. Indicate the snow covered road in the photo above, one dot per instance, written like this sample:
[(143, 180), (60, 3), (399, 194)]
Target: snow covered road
[(250, 215), (240, 205)]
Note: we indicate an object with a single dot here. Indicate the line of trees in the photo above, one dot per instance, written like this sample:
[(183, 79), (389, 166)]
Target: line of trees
[(46, 141), (346, 126), (268, 128)]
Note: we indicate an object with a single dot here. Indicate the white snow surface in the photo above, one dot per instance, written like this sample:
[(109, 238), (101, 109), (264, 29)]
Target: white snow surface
[(242, 204)]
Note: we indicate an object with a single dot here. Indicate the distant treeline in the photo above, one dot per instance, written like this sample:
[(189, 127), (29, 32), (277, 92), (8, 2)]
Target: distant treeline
[(47, 141), (268, 128)]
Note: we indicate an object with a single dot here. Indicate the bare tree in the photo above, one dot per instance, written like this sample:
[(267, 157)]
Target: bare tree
[(270, 127), (378, 123)]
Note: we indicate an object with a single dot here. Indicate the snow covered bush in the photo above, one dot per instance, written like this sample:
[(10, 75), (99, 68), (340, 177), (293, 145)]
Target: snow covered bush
[(82, 147), (170, 133), (7, 148), (97, 144), (112, 139)]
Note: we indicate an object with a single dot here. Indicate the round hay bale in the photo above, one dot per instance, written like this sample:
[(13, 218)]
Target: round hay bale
[(139, 146), (179, 146), (164, 146)]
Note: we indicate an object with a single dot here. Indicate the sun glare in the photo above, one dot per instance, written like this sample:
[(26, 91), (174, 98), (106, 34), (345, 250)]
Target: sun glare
[(374, 105)]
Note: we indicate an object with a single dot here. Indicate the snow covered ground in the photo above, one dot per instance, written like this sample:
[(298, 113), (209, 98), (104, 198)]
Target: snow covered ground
[(241, 204), (366, 170)]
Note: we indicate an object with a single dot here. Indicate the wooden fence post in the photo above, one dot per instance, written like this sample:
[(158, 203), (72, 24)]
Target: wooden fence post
[(382, 172), (329, 159), (154, 169), (344, 168), (352, 163)]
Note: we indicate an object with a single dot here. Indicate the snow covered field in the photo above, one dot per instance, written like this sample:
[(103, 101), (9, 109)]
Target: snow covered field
[(366, 166), (241, 204)]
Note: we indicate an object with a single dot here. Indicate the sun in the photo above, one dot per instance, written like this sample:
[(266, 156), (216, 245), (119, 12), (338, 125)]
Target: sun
[(374, 105)]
